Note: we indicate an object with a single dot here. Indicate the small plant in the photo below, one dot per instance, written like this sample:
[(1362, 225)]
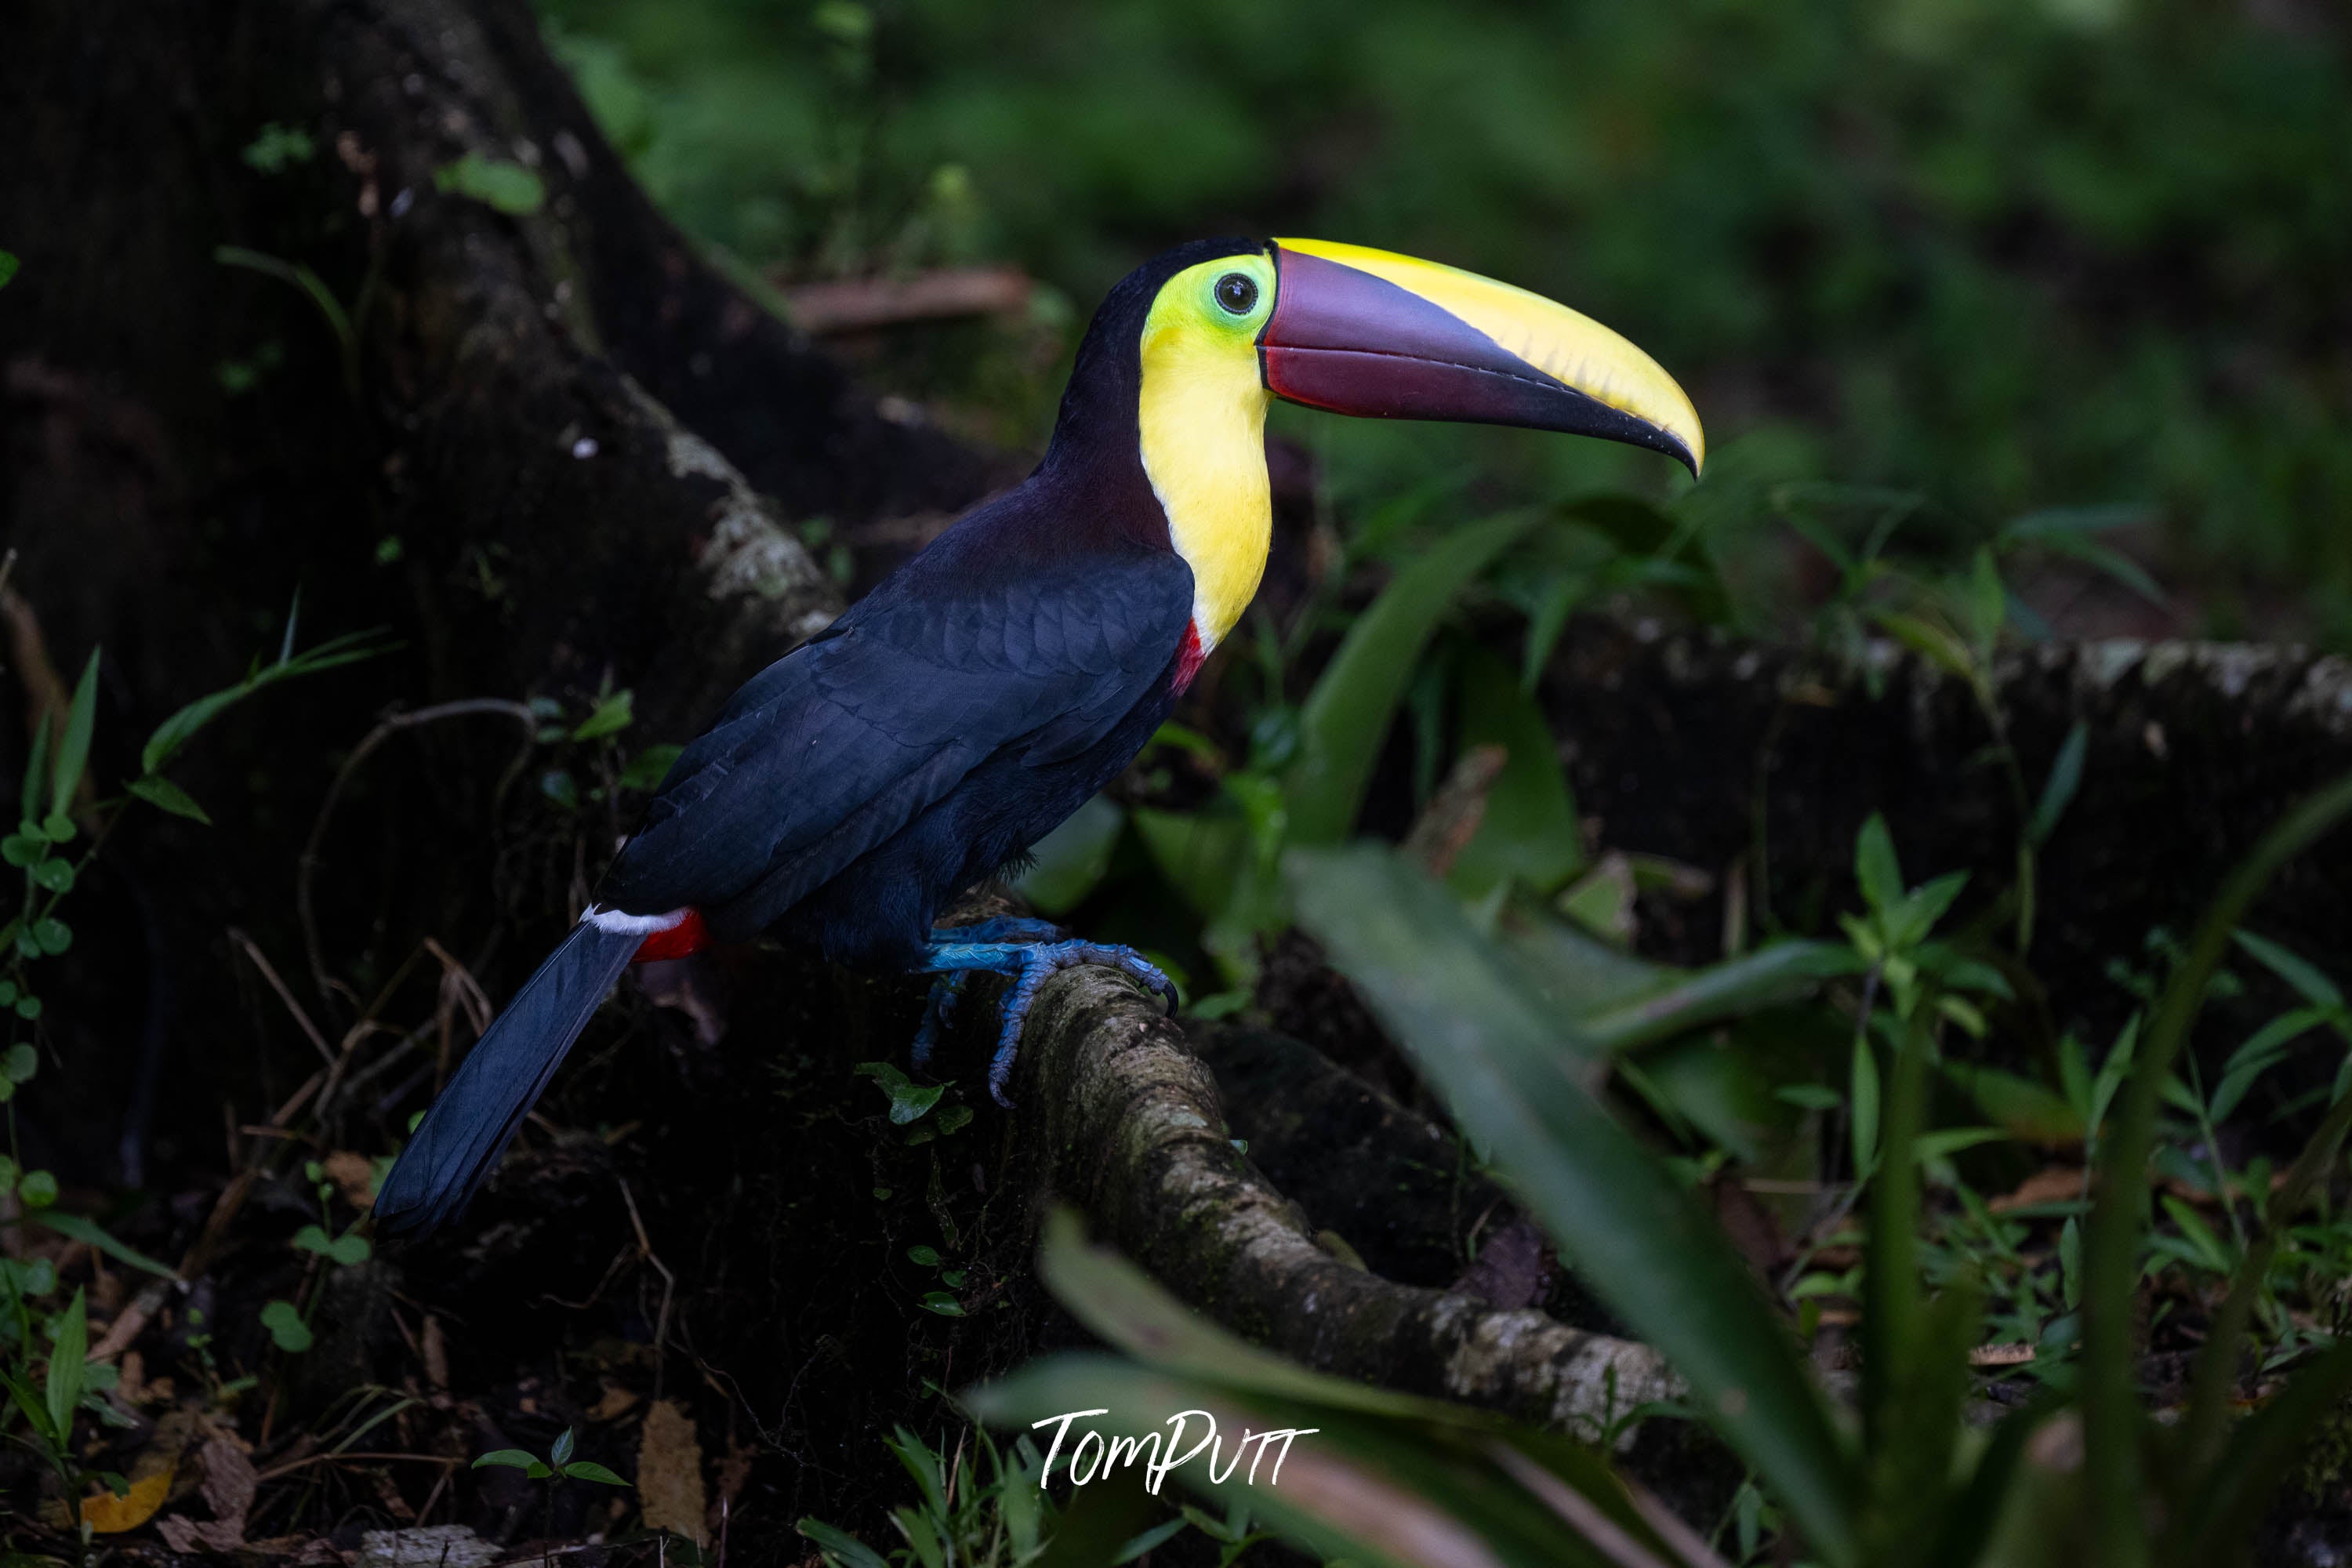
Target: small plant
[(559, 1466)]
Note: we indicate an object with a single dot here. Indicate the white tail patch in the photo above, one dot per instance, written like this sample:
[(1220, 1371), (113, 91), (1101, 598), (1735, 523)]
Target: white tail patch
[(635, 925)]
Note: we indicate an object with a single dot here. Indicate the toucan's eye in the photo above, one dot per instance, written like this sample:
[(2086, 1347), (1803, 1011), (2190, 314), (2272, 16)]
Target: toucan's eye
[(1238, 293)]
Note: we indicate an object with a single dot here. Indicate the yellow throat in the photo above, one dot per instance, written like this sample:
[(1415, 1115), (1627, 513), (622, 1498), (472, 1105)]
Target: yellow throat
[(1201, 414)]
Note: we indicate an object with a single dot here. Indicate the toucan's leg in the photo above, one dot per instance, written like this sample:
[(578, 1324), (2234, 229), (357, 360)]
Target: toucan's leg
[(1002, 928), (1028, 964), (948, 989)]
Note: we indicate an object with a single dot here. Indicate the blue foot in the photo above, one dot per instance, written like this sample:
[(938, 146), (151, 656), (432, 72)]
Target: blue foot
[(1002, 928), (946, 991), (1029, 964)]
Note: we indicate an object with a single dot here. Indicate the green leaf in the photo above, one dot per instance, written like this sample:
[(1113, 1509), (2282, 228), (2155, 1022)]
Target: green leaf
[(908, 1099), (348, 1250), (24, 849), (286, 1329), (164, 794), (559, 1453), (1928, 640), (939, 1302), (28, 1008), (2023, 1109), (612, 714), (181, 727), (650, 766), (53, 934), (37, 1188), (94, 1235), (8, 265), (509, 187), (513, 1459), (36, 778), (590, 1470), (73, 746), (1158, 1535), (1775, 974), (1636, 1237), (839, 1546), (1862, 1094), (69, 1355), (1988, 601), (20, 1061), (1528, 834), (2058, 789), (1070, 862), (313, 1238), (2306, 978), (1875, 869), (57, 875), (925, 1257), (1345, 721)]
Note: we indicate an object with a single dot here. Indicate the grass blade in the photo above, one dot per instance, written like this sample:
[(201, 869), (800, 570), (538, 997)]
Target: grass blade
[(1499, 1056), (2112, 1416), (1345, 721)]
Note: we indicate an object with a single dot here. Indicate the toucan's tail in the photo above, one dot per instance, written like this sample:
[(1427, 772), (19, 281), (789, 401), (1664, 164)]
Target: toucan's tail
[(458, 1142)]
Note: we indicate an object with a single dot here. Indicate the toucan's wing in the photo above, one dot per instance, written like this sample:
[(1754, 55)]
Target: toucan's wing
[(834, 748)]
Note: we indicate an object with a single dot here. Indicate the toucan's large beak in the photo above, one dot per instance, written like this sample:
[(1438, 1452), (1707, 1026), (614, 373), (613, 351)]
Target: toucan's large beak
[(1371, 332)]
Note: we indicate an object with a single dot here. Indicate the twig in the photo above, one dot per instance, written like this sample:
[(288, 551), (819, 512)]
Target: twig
[(291, 1465), (304, 907), (269, 972), (669, 1284)]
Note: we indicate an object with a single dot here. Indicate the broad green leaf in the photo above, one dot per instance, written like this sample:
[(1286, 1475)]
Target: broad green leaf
[(515, 1458), (90, 1232), (559, 1453), (590, 1470), (1069, 863), (73, 746), (1988, 601), (8, 265), (1201, 853), (1499, 1055), (1346, 721), (68, 1374), (163, 793), (508, 187), (1352, 1484), (286, 1329), (1875, 869), (1529, 834), (613, 712), (908, 1099)]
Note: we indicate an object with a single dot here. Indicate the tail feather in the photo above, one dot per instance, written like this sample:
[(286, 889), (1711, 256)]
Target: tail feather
[(458, 1143)]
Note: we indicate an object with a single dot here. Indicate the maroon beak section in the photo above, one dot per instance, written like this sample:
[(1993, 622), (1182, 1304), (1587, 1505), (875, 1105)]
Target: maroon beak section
[(1349, 342)]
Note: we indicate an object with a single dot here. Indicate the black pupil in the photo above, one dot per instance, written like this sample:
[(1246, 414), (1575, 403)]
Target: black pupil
[(1237, 292)]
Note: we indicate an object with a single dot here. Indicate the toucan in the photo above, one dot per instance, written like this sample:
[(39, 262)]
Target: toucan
[(983, 692)]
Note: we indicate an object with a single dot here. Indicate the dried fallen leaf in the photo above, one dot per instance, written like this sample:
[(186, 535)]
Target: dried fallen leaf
[(2001, 1355), (2050, 1185), (229, 1486), (355, 1174), (110, 1515), (616, 1401), (436, 1546), (669, 1472)]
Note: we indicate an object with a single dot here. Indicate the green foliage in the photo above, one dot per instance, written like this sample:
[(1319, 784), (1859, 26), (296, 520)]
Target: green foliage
[(277, 148), (988, 1511), (509, 187), (1977, 244), (559, 1465), (54, 803)]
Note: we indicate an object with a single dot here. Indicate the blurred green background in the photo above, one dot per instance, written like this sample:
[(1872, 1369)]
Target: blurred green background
[(2001, 254)]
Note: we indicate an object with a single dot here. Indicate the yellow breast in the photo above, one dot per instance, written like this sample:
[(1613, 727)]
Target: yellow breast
[(1203, 419)]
